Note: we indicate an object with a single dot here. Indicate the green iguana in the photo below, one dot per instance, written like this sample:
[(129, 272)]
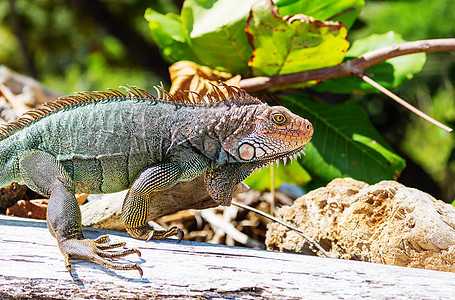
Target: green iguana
[(105, 142)]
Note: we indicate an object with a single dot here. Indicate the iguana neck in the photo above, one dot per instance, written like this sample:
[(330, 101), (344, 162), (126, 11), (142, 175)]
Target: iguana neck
[(215, 132)]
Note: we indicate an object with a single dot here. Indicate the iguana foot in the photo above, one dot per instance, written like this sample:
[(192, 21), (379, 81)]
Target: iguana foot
[(96, 251), (163, 234), (147, 233)]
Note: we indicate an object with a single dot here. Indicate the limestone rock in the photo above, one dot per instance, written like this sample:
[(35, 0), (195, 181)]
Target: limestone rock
[(382, 223)]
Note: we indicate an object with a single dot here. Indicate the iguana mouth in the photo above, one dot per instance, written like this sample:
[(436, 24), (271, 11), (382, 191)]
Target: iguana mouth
[(289, 155)]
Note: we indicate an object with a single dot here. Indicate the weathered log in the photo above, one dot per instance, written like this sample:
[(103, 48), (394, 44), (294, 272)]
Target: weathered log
[(32, 266)]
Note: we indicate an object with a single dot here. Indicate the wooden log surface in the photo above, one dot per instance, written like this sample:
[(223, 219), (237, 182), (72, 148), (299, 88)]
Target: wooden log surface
[(31, 266)]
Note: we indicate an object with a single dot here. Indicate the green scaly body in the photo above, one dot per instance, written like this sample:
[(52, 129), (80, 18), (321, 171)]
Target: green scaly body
[(105, 142)]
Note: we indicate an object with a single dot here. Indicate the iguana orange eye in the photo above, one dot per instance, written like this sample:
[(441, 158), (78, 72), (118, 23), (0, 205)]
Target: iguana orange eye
[(279, 119)]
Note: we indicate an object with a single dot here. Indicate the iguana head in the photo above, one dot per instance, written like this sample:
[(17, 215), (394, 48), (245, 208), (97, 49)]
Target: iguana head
[(255, 135), (268, 134)]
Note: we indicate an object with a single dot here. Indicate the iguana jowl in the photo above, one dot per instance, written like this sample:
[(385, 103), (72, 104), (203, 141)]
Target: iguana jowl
[(104, 142)]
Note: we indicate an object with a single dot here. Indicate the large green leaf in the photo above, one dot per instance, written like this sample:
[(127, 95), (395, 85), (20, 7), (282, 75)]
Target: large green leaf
[(344, 143), (281, 47), (216, 31), (389, 74), (345, 11), (169, 35), (208, 32)]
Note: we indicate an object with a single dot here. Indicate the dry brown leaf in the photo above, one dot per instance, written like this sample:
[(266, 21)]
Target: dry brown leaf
[(81, 198), (189, 76), (34, 209)]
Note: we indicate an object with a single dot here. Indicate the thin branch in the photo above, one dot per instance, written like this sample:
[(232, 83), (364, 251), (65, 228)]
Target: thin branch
[(272, 190), (350, 68), (229, 229), (404, 103), (300, 232)]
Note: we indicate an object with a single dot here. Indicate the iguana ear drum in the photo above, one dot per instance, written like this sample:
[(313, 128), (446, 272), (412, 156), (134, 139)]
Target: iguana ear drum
[(246, 151)]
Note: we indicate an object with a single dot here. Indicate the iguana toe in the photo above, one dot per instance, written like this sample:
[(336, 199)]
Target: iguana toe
[(97, 251)]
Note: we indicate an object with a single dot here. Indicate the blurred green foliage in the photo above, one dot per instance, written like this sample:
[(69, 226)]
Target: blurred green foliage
[(432, 91), (71, 51)]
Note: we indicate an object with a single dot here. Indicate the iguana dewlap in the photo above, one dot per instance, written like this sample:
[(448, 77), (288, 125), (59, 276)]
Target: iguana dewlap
[(104, 142)]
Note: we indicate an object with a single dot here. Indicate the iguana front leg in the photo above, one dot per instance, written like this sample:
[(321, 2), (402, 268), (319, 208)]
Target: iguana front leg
[(44, 174), (139, 198), (221, 181)]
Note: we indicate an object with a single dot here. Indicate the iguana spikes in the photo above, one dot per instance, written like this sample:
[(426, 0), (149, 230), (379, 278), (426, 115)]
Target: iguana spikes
[(216, 92), (50, 107), (199, 98), (232, 95), (135, 92), (229, 90)]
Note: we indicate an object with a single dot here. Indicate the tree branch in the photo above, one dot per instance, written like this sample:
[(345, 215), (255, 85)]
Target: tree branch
[(354, 67)]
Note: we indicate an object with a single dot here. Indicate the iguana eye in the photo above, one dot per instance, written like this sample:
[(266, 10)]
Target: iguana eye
[(279, 119)]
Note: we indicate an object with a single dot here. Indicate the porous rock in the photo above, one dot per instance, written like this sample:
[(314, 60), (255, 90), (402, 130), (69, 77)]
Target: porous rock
[(382, 223)]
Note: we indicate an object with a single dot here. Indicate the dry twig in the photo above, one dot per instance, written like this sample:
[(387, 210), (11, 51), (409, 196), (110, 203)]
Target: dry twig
[(404, 103), (229, 229), (300, 232)]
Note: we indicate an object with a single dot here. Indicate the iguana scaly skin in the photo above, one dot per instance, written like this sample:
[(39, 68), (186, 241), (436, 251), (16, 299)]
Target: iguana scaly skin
[(105, 142)]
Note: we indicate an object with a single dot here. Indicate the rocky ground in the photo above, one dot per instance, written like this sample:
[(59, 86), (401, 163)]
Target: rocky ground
[(383, 223)]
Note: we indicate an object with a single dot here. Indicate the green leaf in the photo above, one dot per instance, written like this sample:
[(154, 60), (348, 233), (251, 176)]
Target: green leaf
[(169, 35), (345, 11), (208, 32), (281, 47), (216, 32), (344, 144), (291, 173), (389, 74)]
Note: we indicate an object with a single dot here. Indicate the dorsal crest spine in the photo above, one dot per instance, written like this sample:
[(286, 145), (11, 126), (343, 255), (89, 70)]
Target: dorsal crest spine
[(232, 96)]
